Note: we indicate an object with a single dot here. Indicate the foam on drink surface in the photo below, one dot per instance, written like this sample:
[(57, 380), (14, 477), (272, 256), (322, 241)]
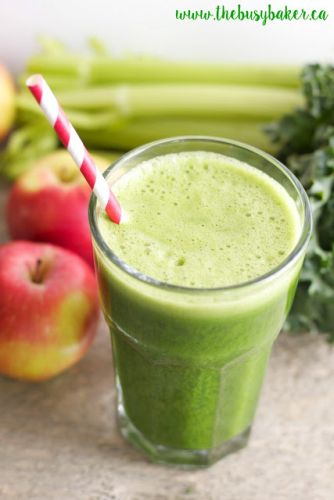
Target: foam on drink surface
[(201, 219)]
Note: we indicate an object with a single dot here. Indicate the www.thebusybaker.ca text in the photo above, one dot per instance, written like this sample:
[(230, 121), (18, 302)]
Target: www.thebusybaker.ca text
[(221, 13)]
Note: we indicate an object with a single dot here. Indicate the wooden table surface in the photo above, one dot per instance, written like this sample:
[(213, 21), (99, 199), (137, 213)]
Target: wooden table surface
[(58, 440)]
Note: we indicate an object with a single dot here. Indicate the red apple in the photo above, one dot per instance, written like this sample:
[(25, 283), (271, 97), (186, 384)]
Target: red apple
[(50, 203), (7, 102), (48, 309)]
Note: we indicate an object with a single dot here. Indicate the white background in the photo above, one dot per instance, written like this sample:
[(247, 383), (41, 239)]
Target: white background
[(150, 26)]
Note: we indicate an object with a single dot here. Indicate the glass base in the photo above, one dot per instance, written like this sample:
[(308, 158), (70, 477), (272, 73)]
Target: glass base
[(171, 456)]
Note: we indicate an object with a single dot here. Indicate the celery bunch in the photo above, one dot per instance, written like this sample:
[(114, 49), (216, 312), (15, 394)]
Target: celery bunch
[(117, 104)]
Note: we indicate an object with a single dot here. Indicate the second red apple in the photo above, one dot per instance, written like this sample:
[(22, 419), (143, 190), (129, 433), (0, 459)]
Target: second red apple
[(49, 203)]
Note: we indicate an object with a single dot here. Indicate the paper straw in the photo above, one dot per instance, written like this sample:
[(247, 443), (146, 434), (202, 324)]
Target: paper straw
[(74, 145)]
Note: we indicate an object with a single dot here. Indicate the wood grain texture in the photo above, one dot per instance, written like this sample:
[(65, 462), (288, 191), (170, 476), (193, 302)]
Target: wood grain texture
[(58, 440)]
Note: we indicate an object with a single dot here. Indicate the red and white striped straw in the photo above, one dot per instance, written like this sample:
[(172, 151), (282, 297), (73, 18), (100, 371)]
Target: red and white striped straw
[(74, 145)]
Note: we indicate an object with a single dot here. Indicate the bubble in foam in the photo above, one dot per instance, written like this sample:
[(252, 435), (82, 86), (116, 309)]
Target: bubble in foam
[(181, 261)]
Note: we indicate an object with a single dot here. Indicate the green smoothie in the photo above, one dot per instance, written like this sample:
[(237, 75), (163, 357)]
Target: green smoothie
[(190, 347)]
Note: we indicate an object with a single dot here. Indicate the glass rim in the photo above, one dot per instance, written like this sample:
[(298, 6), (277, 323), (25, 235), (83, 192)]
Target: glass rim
[(289, 260)]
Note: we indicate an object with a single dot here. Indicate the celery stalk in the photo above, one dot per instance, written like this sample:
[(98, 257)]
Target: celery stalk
[(56, 82), (28, 109), (185, 100), (139, 132), (176, 100), (102, 69)]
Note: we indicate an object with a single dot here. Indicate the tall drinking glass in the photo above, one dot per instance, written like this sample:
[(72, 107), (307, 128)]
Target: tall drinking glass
[(190, 362)]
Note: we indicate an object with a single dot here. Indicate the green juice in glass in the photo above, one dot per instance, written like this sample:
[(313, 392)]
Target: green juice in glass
[(196, 283)]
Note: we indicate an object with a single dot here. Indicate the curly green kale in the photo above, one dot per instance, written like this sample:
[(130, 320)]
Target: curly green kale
[(306, 140)]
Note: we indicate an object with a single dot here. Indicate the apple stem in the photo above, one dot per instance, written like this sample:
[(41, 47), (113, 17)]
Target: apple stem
[(38, 273), (67, 174)]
